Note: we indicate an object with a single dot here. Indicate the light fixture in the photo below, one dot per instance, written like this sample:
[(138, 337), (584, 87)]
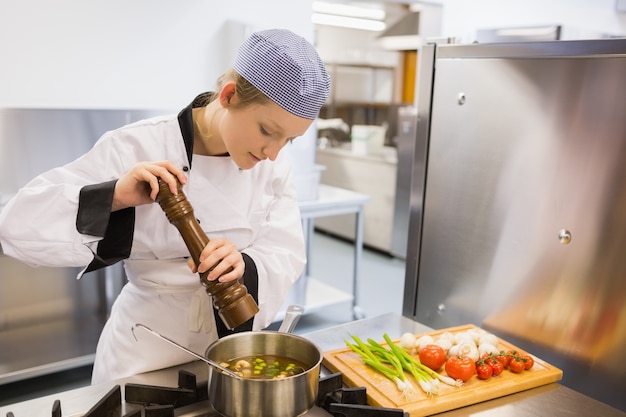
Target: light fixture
[(349, 16), (347, 22), (372, 13)]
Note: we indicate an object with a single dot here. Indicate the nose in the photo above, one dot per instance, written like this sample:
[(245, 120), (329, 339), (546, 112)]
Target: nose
[(272, 149)]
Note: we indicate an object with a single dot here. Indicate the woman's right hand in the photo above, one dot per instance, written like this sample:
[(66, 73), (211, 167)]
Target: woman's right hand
[(140, 185)]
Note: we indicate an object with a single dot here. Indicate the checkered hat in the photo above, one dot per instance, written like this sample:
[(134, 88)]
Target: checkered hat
[(286, 68)]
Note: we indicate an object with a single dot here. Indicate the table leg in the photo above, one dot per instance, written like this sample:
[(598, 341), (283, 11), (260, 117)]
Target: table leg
[(307, 229), (357, 312)]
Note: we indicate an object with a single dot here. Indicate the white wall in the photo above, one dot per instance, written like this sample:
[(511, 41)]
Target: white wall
[(580, 18), (126, 54), (133, 54)]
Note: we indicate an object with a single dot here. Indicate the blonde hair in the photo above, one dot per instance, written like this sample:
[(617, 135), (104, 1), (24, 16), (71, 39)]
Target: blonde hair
[(246, 92)]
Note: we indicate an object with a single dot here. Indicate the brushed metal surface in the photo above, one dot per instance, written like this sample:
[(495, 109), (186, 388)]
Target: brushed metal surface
[(523, 223), (47, 306), (407, 120), (554, 400)]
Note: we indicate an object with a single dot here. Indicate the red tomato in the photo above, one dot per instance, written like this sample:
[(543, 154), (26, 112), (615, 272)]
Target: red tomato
[(528, 361), (460, 367), (433, 356), (516, 365), (496, 366), (483, 370), (504, 359)]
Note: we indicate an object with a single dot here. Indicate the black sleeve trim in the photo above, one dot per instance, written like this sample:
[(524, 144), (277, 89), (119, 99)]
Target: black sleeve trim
[(251, 281), (95, 218), (94, 208)]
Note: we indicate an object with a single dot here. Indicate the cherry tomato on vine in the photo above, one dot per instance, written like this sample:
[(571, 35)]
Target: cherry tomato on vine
[(517, 364), (528, 361), (460, 367), (433, 356), (504, 359), (496, 366), (483, 370)]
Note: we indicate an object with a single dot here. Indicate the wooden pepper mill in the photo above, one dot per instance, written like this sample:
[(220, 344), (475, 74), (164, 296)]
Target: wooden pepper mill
[(232, 300)]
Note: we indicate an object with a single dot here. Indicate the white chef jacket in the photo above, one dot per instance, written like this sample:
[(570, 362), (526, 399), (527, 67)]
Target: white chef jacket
[(256, 209)]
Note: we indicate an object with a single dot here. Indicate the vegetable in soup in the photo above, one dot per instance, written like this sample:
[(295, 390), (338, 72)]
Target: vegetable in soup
[(264, 367)]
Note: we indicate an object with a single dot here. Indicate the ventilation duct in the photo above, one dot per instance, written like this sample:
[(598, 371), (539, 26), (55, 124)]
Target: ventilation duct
[(404, 34)]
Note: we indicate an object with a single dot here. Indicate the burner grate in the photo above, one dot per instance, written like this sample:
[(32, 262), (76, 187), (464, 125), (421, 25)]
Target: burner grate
[(188, 392), (109, 405), (191, 398), (349, 402)]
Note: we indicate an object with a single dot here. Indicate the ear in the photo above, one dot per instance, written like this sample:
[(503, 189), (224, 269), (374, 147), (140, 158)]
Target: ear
[(227, 93)]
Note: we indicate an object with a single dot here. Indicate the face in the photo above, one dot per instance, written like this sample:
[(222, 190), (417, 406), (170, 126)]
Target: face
[(258, 132)]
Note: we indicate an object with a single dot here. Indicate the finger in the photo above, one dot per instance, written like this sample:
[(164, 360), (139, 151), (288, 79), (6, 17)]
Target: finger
[(231, 268), (223, 271), (158, 170), (179, 173), (208, 259), (172, 173), (153, 185), (220, 267), (230, 276), (216, 269)]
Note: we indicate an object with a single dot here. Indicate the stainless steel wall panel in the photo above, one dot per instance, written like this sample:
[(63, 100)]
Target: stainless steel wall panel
[(49, 321), (526, 149), (35, 140), (407, 121)]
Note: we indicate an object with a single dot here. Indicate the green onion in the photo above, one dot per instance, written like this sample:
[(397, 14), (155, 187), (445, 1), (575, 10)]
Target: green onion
[(429, 385), (375, 361), (394, 361), (415, 363)]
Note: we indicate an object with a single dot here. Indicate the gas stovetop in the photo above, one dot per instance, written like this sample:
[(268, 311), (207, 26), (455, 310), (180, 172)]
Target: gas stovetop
[(140, 397), (342, 402)]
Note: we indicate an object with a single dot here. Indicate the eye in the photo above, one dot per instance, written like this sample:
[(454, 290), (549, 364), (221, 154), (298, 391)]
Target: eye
[(264, 131)]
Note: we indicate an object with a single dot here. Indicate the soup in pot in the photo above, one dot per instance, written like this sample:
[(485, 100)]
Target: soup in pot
[(265, 367)]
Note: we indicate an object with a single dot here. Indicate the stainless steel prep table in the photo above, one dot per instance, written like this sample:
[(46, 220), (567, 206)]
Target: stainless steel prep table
[(552, 400), (331, 201)]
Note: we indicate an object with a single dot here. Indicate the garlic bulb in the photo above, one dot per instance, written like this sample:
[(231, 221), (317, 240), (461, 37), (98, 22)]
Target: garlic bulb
[(463, 337), (424, 340), (407, 341), (488, 338), (445, 343), (486, 348), (468, 349)]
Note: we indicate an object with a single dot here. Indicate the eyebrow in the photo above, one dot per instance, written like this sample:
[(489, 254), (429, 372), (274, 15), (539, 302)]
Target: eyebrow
[(274, 126)]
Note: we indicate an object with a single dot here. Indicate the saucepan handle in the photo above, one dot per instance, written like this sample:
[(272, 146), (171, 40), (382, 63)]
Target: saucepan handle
[(292, 316)]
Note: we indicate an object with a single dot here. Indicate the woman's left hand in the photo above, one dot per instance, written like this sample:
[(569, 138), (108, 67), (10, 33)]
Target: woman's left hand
[(220, 256)]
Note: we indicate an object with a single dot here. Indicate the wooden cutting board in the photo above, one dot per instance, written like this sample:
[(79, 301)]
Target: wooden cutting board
[(383, 392)]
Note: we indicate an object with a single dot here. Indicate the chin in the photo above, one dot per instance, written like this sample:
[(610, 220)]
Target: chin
[(246, 166)]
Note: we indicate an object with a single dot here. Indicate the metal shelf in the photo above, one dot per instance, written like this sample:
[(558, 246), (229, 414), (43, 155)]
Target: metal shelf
[(307, 291)]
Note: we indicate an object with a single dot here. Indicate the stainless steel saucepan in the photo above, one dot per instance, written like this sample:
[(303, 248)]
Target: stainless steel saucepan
[(235, 396)]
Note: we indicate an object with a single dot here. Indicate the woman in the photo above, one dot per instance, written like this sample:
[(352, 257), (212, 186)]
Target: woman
[(224, 148)]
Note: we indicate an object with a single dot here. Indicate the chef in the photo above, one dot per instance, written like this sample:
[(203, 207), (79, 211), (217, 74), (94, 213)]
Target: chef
[(225, 150)]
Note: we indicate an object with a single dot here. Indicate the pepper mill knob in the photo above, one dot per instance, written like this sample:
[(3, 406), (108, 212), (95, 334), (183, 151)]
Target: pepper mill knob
[(233, 302)]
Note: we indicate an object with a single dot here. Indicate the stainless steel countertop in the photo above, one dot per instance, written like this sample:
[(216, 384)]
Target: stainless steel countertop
[(552, 400)]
